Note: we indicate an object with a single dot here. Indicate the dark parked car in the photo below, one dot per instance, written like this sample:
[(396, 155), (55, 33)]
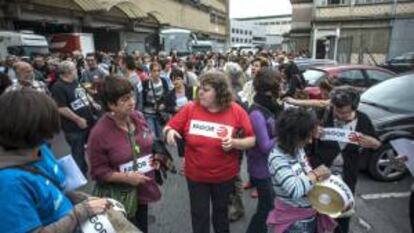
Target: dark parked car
[(390, 105), (401, 64), (360, 76)]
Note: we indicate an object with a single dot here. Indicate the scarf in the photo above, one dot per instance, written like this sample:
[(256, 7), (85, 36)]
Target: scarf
[(269, 102)]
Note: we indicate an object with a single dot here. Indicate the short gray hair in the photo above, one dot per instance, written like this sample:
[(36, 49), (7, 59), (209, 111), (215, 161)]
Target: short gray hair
[(66, 67)]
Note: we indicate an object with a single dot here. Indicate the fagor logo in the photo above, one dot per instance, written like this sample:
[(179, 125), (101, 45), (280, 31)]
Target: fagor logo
[(204, 127), (222, 131)]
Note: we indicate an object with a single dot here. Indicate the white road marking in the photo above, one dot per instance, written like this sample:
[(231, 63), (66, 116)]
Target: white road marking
[(364, 224), (375, 196)]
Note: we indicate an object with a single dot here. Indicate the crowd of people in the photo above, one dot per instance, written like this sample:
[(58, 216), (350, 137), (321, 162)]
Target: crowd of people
[(216, 108)]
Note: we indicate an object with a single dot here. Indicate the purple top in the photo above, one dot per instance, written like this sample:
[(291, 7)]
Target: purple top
[(265, 140)]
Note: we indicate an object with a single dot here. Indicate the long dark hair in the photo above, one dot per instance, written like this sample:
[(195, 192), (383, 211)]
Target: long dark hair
[(295, 126)]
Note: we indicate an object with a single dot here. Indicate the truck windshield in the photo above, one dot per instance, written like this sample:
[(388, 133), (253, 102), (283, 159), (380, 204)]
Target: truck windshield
[(28, 50), (181, 42)]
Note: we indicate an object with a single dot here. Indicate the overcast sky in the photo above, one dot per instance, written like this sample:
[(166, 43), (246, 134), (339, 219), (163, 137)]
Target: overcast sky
[(252, 8)]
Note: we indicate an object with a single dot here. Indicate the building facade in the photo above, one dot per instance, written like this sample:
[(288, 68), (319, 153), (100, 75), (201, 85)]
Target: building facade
[(118, 24), (355, 31), (271, 28)]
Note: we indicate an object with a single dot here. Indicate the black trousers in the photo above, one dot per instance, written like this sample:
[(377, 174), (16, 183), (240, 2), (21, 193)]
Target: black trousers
[(343, 225), (264, 205), (201, 194), (141, 218)]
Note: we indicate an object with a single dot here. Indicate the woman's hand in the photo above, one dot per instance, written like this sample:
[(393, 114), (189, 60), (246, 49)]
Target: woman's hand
[(155, 161), (320, 173), (96, 206), (227, 143), (171, 135), (136, 178), (368, 142)]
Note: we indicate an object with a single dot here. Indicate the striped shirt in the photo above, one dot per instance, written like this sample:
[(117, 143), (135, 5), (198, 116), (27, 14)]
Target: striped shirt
[(289, 178)]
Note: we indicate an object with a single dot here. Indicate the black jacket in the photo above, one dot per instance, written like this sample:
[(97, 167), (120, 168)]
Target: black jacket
[(324, 152), (170, 100), (146, 87)]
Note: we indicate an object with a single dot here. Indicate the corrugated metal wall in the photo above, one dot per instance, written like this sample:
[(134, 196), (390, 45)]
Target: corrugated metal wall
[(402, 37)]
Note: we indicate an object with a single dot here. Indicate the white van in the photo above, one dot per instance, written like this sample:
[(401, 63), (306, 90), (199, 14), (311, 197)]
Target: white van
[(245, 48), (22, 44)]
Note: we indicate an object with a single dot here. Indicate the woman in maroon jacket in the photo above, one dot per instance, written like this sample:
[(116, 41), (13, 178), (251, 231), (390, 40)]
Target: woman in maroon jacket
[(109, 146)]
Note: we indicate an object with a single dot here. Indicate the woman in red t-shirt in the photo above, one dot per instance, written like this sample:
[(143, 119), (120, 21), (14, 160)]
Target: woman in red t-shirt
[(215, 129)]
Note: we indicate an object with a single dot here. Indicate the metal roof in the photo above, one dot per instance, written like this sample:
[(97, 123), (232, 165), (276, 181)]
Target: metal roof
[(131, 9)]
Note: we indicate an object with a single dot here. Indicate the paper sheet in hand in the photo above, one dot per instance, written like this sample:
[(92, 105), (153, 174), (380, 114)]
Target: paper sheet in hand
[(98, 224), (340, 135), (143, 162), (405, 147), (73, 176)]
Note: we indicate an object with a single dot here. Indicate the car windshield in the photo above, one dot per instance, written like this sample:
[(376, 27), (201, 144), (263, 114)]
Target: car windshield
[(313, 77), (393, 94)]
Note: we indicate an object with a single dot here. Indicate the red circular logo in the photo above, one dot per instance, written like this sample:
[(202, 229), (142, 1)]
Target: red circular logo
[(353, 137), (222, 131)]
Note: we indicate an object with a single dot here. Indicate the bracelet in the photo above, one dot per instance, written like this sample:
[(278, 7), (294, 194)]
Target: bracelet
[(316, 175)]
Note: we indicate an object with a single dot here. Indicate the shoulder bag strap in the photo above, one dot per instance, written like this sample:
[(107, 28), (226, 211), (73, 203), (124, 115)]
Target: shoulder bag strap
[(136, 150)]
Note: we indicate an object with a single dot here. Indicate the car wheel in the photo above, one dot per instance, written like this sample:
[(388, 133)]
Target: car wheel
[(382, 165)]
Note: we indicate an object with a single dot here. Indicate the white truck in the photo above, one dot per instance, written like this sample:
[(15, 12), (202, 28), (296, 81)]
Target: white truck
[(22, 43)]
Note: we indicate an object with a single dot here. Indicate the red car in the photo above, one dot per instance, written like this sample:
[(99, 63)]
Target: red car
[(359, 76)]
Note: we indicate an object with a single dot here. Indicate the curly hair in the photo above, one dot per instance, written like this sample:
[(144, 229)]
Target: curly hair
[(295, 126), (219, 82)]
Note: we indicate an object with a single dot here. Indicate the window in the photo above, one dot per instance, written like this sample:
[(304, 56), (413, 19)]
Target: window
[(232, 39), (351, 77), (233, 30), (250, 32), (376, 76), (313, 77), (245, 32)]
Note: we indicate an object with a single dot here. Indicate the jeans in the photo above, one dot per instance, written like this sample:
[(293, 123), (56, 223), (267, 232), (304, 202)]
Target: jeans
[(77, 141), (264, 205), (303, 226), (200, 196), (155, 124)]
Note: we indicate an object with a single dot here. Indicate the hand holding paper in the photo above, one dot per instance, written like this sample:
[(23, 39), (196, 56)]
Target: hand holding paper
[(404, 146), (73, 176)]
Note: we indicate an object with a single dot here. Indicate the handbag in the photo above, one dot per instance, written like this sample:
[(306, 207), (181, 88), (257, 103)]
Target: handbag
[(124, 193)]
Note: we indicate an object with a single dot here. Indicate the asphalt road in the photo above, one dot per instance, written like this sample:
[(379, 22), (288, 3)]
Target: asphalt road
[(380, 207)]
